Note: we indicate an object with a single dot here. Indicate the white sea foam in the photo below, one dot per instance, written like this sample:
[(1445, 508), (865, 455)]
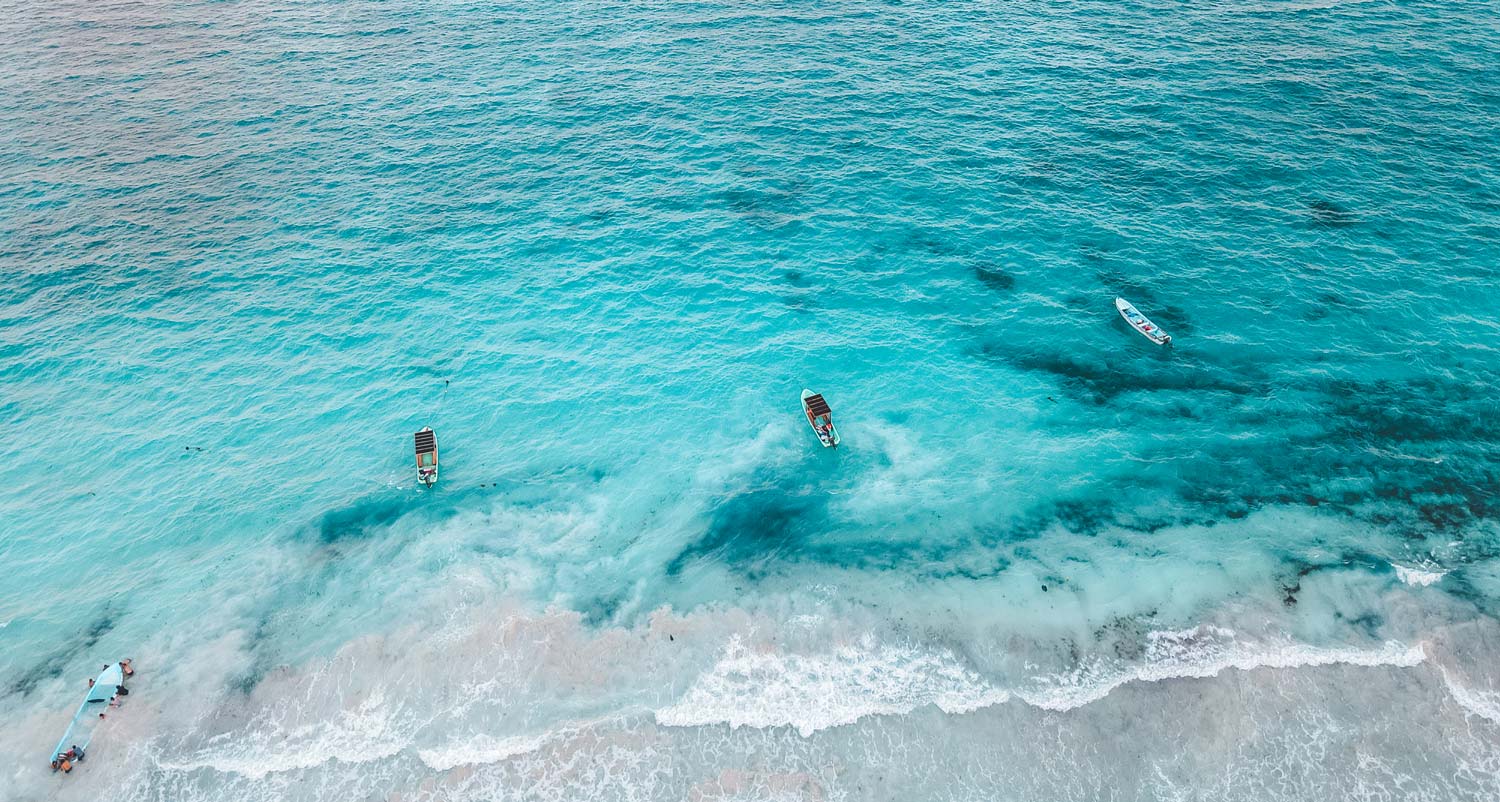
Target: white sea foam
[(766, 687), (1482, 703), (481, 749), (1417, 577), (485, 748), (731, 785), (366, 732), (1200, 652)]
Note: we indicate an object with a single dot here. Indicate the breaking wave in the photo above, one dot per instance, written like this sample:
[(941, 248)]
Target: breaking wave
[(763, 688), (811, 692), (1417, 577), (1201, 652)]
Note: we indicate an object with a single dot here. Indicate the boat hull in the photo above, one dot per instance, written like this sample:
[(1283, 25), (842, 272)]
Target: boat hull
[(427, 456), (80, 730), (831, 438), (1141, 323)]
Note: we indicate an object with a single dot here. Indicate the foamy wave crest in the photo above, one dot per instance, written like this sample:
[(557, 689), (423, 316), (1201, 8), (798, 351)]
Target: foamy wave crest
[(762, 687), (485, 748), (363, 733), (481, 749), (1200, 652), (1485, 704), (1417, 577)]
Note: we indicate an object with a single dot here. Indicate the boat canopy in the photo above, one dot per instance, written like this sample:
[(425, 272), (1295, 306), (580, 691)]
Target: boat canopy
[(426, 441), (817, 407)]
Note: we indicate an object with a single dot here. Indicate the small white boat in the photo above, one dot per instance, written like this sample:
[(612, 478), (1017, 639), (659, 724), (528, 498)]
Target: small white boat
[(820, 417), (1140, 323), (427, 456)]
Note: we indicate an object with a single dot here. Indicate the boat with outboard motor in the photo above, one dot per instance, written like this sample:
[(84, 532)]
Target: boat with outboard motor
[(820, 417), (75, 741), (1141, 323), (427, 456)]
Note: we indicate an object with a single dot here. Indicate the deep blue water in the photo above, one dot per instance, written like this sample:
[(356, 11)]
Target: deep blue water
[(250, 247)]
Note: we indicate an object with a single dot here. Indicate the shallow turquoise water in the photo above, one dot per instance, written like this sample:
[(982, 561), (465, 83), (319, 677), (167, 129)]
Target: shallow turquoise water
[(600, 248)]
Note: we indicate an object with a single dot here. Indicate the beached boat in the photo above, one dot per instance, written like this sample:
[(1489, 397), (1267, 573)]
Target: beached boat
[(427, 456), (1140, 323), (820, 417), (90, 713)]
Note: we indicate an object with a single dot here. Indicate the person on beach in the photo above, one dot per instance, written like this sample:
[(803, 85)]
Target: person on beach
[(114, 701), (121, 690), (91, 682), (64, 761), (125, 667)]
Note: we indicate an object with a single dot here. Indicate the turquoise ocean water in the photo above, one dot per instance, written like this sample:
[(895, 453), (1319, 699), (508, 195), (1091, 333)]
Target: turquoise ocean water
[(249, 247)]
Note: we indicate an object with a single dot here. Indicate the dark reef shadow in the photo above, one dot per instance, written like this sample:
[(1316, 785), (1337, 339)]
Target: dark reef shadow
[(1328, 214), (993, 277), (800, 303), (1101, 379), (919, 239), (749, 529), (55, 664), (770, 204), (364, 517), (1119, 285)]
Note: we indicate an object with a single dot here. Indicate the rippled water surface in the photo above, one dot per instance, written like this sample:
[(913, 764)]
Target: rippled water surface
[(249, 247)]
